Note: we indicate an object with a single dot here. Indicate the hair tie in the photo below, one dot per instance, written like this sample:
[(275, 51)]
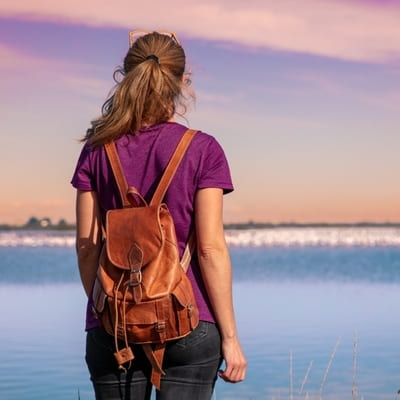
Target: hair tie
[(154, 58)]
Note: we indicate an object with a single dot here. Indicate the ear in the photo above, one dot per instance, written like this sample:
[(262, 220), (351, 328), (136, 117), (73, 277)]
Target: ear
[(185, 81)]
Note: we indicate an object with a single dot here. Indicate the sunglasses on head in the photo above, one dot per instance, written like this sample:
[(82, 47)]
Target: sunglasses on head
[(134, 35)]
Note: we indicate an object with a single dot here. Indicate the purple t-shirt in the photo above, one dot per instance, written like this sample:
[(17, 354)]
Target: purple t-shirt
[(144, 158)]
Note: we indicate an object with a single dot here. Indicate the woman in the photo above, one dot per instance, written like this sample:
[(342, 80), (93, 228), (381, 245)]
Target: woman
[(139, 118)]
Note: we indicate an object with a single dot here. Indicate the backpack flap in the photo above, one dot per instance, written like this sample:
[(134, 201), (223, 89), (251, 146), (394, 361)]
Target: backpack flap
[(134, 236)]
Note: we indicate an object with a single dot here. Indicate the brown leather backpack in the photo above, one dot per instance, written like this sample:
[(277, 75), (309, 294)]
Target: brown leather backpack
[(142, 294)]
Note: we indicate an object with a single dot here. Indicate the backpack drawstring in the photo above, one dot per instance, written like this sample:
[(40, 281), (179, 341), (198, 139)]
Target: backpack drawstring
[(124, 355)]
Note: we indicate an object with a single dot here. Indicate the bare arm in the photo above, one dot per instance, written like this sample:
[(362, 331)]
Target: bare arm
[(215, 266), (88, 237)]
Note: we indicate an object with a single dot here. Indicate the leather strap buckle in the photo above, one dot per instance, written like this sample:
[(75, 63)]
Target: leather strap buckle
[(135, 277), (160, 326)]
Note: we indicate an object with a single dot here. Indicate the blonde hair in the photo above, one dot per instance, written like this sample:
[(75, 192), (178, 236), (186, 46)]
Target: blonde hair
[(151, 85)]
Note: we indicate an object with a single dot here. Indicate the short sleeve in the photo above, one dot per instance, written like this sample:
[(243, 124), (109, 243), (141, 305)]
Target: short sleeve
[(83, 178), (215, 172)]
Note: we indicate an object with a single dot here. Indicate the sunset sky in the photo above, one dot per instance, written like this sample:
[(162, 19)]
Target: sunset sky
[(303, 95)]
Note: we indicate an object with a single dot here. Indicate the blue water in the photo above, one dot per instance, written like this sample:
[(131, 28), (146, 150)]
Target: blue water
[(301, 300)]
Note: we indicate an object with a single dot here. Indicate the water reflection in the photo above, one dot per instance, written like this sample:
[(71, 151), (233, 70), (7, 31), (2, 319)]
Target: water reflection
[(42, 338)]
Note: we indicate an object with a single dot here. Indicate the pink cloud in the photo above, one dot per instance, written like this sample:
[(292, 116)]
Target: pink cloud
[(12, 59), (350, 30), (49, 72)]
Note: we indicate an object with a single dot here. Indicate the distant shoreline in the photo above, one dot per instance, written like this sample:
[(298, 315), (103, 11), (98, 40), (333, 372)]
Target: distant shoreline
[(266, 225), (231, 226)]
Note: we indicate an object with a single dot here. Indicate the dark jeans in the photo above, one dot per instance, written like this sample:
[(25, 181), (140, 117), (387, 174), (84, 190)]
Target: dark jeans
[(190, 363)]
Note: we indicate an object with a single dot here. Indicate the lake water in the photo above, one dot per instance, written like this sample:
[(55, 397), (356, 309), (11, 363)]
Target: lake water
[(326, 298)]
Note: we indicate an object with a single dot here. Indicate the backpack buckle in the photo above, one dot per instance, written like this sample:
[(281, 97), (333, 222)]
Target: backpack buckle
[(135, 277), (160, 326)]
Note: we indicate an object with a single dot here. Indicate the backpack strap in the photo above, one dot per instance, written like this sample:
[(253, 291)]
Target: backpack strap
[(172, 166), (118, 172), (165, 181), (189, 251)]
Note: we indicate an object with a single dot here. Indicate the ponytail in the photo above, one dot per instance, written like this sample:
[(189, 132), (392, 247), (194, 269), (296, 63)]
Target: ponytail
[(151, 84)]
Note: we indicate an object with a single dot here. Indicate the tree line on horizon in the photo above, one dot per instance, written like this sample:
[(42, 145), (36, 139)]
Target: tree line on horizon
[(35, 223), (46, 223)]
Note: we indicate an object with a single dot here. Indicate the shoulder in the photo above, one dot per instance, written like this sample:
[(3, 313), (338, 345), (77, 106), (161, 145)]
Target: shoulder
[(89, 159), (206, 139), (208, 146), (90, 152)]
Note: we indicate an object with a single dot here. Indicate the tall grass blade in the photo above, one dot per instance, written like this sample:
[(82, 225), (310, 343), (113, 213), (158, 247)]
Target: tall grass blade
[(354, 391), (291, 375), (328, 368), (306, 377)]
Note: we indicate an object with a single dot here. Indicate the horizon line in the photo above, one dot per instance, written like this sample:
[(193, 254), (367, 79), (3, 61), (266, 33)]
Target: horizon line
[(229, 225)]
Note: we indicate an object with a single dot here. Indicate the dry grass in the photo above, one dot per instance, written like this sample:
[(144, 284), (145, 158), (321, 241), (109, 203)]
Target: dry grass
[(302, 395)]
